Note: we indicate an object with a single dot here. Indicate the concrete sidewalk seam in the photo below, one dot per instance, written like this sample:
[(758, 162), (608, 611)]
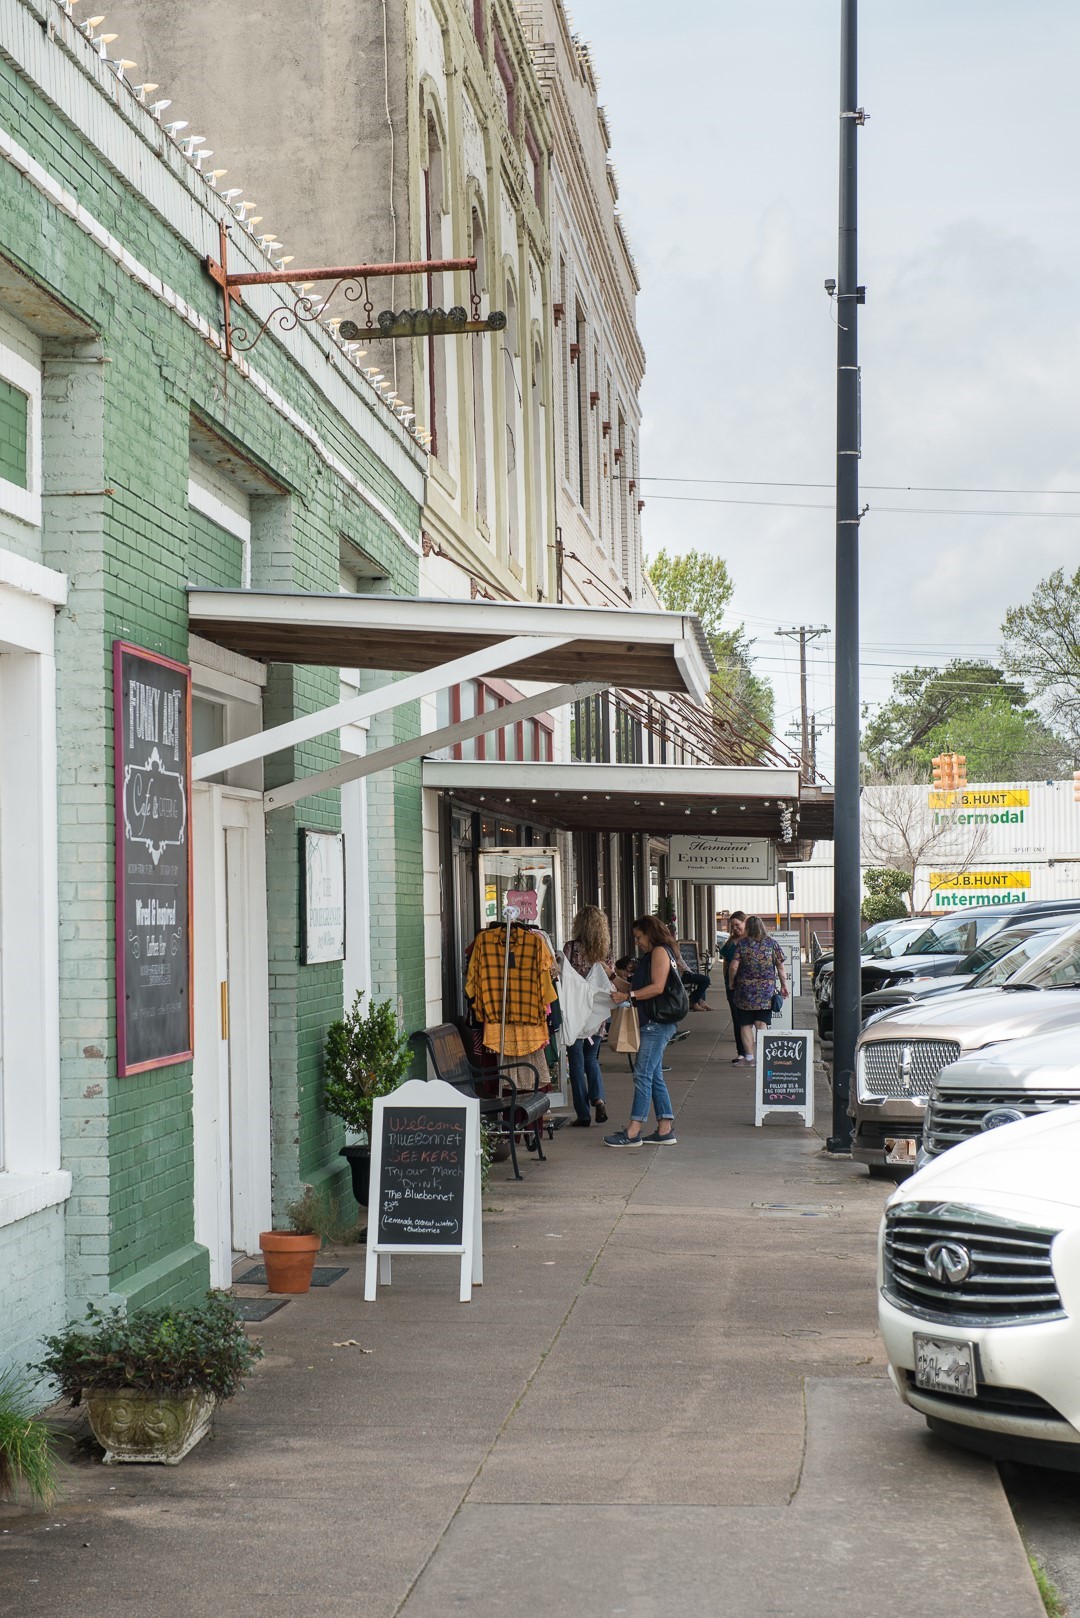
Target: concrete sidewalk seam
[(523, 1394)]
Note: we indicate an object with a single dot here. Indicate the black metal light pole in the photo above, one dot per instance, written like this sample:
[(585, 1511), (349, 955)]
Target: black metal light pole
[(847, 867)]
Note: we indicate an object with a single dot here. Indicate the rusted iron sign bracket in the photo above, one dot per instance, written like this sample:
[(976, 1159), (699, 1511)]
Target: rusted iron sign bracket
[(354, 280)]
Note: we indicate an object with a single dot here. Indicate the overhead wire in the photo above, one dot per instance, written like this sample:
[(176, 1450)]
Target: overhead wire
[(820, 505), (879, 488)]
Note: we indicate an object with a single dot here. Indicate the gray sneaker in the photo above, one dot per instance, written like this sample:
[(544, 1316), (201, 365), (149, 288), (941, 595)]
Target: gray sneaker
[(621, 1138), (656, 1139)]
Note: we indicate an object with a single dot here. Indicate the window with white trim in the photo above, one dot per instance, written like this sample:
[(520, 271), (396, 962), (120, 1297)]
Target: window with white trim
[(20, 422)]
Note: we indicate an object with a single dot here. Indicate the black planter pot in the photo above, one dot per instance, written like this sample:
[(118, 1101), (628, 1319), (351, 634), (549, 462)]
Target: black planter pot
[(359, 1161)]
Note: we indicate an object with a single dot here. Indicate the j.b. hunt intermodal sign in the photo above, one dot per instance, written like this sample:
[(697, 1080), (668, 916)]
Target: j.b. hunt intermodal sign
[(952, 888), (982, 806)]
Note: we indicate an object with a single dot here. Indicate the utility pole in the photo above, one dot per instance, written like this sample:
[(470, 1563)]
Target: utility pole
[(847, 986), (815, 731), (803, 634)]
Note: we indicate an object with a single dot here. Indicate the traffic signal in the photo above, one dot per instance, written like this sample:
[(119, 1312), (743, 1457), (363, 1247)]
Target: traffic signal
[(959, 770), (939, 767), (1076, 785)]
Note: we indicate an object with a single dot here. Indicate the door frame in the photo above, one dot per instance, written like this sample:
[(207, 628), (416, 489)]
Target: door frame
[(231, 1111)]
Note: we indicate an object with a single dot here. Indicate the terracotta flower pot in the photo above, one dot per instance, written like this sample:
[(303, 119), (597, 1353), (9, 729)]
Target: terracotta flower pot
[(133, 1425), (289, 1259)]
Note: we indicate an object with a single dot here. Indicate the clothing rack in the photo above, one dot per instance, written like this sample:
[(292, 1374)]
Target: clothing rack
[(510, 915)]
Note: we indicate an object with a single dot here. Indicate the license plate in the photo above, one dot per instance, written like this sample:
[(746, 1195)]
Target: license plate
[(899, 1151), (942, 1365)]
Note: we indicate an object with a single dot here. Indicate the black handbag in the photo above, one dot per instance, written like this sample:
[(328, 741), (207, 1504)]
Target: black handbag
[(776, 1005), (673, 1002)]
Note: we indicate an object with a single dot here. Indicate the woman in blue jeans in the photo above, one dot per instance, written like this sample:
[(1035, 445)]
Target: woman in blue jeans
[(589, 944), (647, 983)]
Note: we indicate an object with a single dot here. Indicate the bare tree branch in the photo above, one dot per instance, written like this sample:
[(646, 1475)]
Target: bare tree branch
[(901, 831)]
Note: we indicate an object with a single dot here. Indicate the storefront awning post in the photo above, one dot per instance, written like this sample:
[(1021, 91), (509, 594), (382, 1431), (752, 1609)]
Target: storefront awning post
[(369, 703), (385, 758)]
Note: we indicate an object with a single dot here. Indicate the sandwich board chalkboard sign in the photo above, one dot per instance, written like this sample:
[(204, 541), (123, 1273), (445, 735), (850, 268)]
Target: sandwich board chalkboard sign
[(784, 1073), (425, 1181)]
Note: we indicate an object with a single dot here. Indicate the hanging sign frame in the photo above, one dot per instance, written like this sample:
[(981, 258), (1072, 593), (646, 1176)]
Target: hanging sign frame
[(425, 1182), (744, 861)]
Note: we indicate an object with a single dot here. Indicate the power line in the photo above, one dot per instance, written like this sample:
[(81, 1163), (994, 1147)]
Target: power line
[(879, 488), (819, 505)]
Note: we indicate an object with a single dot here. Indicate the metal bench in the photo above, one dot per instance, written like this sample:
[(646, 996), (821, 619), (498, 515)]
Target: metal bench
[(503, 1106)]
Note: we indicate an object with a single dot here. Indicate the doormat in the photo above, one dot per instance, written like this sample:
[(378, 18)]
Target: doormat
[(324, 1277), (256, 1308)]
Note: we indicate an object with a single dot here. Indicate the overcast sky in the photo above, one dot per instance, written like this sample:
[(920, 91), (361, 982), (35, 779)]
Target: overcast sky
[(725, 130)]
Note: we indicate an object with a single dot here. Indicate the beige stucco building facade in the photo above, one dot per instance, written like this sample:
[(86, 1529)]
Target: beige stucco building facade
[(598, 359), (388, 134)]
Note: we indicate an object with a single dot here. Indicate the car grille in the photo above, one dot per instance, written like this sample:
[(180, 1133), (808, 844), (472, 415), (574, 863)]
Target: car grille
[(884, 1070), (1011, 1279), (956, 1115)]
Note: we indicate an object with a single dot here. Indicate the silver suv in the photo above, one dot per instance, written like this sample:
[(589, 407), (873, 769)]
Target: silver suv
[(1001, 1085), (898, 1058)]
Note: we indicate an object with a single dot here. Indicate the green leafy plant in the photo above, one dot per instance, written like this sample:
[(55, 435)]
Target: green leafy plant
[(367, 1055), (885, 890), (1052, 1599), (307, 1213), (315, 1213), (169, 1351), (27, 1461)]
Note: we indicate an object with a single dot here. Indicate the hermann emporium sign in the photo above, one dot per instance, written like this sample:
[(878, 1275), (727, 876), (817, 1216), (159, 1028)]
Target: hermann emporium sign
[(152, 791), (742, 860)]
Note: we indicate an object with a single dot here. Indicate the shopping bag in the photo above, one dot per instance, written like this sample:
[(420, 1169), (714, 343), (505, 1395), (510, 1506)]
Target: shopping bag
[(625, 1035)]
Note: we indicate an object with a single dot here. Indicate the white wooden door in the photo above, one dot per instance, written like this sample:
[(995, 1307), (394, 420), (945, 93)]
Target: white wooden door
[(231, 1076)]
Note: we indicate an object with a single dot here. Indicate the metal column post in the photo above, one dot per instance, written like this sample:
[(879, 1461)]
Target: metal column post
[(848, 873)]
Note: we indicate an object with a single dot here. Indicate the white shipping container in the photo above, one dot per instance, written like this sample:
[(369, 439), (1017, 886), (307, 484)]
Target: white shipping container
[(1025, 828)]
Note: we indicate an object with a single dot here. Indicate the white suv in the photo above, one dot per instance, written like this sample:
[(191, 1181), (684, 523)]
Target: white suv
[(1000, 1085), (979, 1291)]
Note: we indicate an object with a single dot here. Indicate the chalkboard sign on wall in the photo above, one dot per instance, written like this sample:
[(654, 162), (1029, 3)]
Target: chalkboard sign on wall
[(425, 1171), (784, 1073), (152, 742)]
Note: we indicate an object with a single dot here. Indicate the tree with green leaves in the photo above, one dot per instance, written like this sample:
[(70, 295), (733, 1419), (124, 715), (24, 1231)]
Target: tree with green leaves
[(1042, 646), (885, 893), (969, 707), (698, 583)]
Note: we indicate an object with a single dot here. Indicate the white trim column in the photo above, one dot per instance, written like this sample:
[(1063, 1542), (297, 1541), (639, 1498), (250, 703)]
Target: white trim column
[(30, 1174)]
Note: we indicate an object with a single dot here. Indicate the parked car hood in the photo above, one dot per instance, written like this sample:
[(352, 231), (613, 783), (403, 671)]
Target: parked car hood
[(909, 965), (1011, 1169), (977, 1017), (1048, 1062), (915, 989)]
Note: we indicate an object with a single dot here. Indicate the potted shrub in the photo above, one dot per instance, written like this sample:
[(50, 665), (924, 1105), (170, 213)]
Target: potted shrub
[(367, 1055), (151, 1379), (289, 1255)]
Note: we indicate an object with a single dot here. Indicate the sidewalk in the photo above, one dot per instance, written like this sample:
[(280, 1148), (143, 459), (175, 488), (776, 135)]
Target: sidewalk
[(668, 1401)]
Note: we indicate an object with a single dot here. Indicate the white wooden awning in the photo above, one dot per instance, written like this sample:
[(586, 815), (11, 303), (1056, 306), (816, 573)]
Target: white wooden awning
[(637, 648), (661, 799), (438, 644)]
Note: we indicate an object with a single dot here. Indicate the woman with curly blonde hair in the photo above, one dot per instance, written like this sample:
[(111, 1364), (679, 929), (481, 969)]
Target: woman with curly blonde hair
[(589, 943)]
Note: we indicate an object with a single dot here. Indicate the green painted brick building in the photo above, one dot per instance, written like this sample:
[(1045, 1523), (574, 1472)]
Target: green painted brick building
[(137, 462)]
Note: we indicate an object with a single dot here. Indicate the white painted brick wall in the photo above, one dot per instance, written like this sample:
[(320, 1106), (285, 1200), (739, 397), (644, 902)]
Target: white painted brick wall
[(32, 1298)]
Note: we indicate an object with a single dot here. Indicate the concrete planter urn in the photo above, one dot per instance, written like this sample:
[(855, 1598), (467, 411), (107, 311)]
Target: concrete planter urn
[(131, 1424)]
